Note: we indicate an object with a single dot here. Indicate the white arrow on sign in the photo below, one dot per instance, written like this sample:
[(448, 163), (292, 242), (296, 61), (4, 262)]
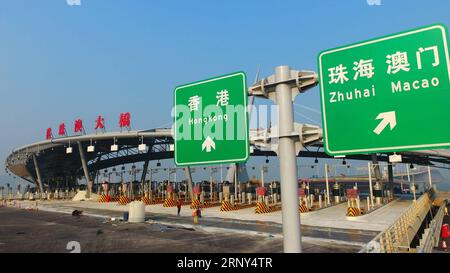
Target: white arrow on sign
[(208, 144), (388, 118)]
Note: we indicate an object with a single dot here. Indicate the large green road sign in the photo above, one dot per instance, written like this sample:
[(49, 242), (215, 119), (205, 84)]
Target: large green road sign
[(387, 94), (211, 121)]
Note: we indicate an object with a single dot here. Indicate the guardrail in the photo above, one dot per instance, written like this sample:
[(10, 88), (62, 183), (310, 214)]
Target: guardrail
[(430, 237), (398, 236)]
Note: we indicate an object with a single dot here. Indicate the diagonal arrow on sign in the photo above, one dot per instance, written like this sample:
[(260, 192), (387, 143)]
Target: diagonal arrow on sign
[(208, 144), (388, 118)]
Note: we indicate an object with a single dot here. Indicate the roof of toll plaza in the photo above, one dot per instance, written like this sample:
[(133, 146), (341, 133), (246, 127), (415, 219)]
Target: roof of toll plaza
[(55, 162)]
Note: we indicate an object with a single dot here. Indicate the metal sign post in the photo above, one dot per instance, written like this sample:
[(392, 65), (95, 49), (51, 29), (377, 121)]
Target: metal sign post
[(282, 88)]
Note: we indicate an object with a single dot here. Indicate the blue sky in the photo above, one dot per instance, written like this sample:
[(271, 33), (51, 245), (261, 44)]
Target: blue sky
[(60, 62)]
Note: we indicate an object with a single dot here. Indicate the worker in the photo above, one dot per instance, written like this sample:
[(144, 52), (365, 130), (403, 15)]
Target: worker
[(195, 215), (178, 207)]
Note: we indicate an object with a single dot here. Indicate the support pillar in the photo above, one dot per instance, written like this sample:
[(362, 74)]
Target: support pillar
[(327, 197), (236, 166), (391, 179), (429, 177), (85, 170), (187, 171), (144, 175), (369, 168), (38, 174)]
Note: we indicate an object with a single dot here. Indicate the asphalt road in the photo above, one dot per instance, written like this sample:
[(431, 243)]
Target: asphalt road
[(37, 232)]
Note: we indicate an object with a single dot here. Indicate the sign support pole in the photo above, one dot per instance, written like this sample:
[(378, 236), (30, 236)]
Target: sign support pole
[(282, 88), (288, 167)]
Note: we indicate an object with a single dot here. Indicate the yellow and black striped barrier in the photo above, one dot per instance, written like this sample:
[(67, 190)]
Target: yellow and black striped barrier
[(353, 212), (210, 205), (169, 202), (262, 208), (303, 208), (146, 200), (195, 204), (104, 198), (227, 206), (123, 200)]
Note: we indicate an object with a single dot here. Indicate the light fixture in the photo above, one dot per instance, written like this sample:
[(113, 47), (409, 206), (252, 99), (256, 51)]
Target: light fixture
[(411, 166), (69, 150), (114, 147), (90, 148), (123, 168), (344, 162), (142, 147), (316, 161)]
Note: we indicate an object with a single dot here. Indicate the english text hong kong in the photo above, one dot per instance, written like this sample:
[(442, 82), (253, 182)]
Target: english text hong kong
[(208, 119)]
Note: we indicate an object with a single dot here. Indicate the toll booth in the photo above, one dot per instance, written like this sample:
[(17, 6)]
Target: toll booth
[(274, 187), (337, 193), (243, 187), (378, 193), (170, 200), (105, 197)]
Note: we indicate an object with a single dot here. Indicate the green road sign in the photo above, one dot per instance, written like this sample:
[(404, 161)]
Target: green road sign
[(211, 121), (387, 94)]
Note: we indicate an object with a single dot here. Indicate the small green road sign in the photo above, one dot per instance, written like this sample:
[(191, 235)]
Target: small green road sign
[(211, 121), (387, 94)]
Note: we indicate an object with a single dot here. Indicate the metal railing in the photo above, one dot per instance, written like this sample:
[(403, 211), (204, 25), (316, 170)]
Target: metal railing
[(430, 237), (398, 236)]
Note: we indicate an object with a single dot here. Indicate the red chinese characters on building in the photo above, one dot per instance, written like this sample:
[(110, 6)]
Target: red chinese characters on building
[(62, 129), (78, 126), (124, 120), (49, 134), (100, 123)]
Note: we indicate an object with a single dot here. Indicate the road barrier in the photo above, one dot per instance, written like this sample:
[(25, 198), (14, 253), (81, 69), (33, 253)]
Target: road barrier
[(169, 202), (104, 198), (123, 200), (353, 212), (195, 204), (228, 206), (262, 208), (303, 208)]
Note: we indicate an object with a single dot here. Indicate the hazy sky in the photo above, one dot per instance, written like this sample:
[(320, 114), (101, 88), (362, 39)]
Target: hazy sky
[(60, 62)]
